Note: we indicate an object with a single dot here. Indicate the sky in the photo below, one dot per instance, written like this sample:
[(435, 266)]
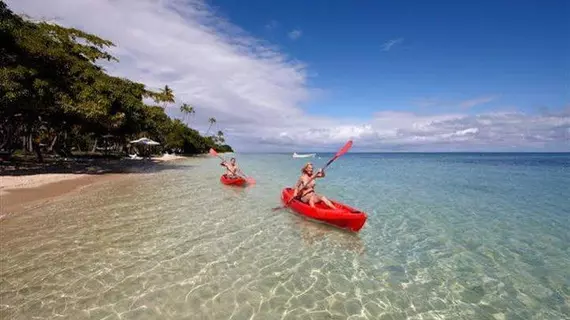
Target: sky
[(299, 76)]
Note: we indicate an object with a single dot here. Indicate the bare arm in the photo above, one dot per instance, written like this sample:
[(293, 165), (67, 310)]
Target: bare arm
[(297, 187), (235, 170), (318, 174)]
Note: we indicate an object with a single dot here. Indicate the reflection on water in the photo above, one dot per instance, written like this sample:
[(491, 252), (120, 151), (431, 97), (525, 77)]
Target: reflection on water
[(150, 248), (315, 233), (178, 244)]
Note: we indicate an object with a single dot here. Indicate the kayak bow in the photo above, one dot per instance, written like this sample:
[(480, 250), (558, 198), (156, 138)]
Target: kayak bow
[(343, 217)]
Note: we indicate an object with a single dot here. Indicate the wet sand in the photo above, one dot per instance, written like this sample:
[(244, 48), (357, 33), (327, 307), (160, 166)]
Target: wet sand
[(16, 199), (34, 185)]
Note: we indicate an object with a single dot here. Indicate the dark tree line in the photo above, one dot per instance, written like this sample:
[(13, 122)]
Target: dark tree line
[(55, 98)]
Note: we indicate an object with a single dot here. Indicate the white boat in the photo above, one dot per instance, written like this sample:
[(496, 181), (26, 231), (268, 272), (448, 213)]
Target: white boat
[(310, 155)]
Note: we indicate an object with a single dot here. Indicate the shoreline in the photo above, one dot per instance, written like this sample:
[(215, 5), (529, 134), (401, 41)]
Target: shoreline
[(20, 188), (16, 200)]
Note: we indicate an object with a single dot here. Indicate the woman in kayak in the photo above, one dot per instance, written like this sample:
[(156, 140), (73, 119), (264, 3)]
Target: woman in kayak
[(232, 168), (307, 191)]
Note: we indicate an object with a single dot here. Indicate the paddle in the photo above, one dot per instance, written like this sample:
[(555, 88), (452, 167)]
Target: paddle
[(215, 154), (342, 151)]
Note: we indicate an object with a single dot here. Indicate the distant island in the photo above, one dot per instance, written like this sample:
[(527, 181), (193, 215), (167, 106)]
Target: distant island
[(57, 101)]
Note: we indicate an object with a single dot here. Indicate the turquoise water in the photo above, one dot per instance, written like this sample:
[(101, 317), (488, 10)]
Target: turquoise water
[(448, 236)]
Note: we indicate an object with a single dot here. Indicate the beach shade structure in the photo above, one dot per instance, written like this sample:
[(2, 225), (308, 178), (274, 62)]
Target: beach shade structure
[(145, 142)]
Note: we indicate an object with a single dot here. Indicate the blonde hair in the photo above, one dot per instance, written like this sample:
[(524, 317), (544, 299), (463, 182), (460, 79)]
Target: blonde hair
[(305, 167)]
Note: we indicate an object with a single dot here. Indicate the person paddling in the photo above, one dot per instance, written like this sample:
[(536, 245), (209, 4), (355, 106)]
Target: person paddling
[(232, 168), (306, 190)]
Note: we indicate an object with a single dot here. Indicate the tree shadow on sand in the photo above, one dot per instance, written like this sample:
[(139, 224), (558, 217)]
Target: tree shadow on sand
[(24, 167)]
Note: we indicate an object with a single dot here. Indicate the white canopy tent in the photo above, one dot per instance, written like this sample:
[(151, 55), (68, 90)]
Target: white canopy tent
[(145, 141)]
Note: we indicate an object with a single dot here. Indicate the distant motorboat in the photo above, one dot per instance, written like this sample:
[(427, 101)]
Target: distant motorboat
[(310, 155)]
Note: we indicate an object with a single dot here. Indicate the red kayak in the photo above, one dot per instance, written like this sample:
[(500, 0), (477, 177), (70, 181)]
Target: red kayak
[(239, 181), (344, 217)]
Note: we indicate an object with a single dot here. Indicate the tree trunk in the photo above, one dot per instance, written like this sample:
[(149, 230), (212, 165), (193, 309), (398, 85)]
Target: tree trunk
[(125, 149), (77, 143), (50, 149), (94, 146), (66, 147), (36, 148), (7, 134)]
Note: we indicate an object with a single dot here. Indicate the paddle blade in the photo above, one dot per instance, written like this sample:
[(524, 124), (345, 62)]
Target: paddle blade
[(283, 206), (344, 149), (280, 207), (277, 208)]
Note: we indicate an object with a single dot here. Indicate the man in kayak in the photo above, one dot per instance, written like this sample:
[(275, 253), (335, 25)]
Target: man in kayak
[(232, 168), (305, 191)]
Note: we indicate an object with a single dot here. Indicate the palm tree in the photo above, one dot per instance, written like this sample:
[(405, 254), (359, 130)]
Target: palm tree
[(220, 137), (212, 121), (166, 95), (187, 109)]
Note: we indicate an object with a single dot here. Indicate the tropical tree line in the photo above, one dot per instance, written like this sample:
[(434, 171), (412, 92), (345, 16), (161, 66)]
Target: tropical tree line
[(55, 98)]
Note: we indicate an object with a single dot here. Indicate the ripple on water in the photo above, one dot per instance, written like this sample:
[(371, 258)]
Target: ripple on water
[(177, 244)]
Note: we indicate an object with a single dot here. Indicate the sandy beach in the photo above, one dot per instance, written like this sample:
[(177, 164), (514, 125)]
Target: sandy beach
[(37, 188), (10, 183), (21, 186)]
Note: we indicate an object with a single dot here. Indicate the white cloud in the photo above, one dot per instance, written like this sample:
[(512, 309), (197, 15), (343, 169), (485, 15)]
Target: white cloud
[(464, 104), (390, 43), (208, 63), (295, 34), (410, 131), (254, 91), (476, 101)]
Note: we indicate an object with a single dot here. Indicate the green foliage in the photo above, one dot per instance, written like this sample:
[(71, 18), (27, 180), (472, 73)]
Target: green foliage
[(187, 110), (186, 139), (52, 91), (211, 121), (223, 148), (165, 95)]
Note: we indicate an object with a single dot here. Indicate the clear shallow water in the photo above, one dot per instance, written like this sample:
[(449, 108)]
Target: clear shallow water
[(464, 236)]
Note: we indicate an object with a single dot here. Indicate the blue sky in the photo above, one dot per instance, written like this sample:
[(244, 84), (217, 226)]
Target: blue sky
[(449, 51), (309, 75)]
